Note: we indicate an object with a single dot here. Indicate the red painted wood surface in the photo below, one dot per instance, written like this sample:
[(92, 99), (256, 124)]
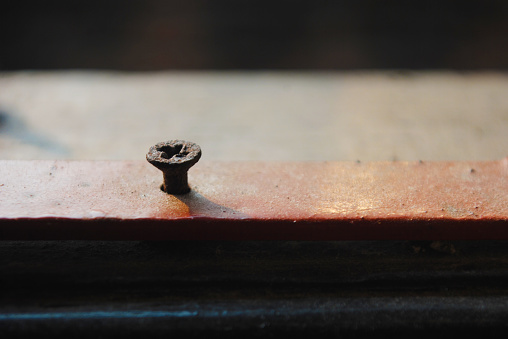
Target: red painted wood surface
[(122, 200)]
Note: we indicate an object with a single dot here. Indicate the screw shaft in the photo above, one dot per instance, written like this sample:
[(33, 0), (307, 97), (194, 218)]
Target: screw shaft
[(175, 183)]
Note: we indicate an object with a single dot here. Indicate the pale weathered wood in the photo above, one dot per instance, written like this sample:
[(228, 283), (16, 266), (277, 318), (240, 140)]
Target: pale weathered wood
[(260, 116)]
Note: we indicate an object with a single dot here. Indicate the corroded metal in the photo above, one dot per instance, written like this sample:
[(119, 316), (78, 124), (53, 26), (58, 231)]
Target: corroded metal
[(256, 201), (174, 158)]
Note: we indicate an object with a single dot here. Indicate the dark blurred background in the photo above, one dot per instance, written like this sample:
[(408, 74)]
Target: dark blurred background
[(162, 34)]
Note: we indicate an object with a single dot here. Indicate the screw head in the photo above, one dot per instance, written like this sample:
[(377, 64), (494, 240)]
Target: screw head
[(174, 158)]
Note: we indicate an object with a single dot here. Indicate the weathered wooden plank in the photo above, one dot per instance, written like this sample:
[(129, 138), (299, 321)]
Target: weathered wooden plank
[(122, 200)]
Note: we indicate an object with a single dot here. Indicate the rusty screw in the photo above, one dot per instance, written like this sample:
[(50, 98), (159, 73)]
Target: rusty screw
[(174, 158)]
